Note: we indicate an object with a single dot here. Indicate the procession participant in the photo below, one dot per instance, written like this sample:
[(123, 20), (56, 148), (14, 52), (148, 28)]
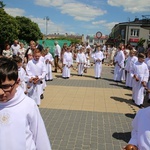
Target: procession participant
[(81, 61), (87, 55), (7, 52), (57, 52), (147, 61), (140, 74), (36, 72), (140, 131), (119, 65), (131, 60), (15, 47), (21, 73), (67, 63), (98, 57), (49, 64), (20, 120), (22, 51)]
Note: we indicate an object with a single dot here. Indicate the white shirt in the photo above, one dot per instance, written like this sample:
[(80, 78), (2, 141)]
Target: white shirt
[(57, 51), (15, 49)]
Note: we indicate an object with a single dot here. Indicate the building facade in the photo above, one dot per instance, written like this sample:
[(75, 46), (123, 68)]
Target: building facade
[(131, 32)]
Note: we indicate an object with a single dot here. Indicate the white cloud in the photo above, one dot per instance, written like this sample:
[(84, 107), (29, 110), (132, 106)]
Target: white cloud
[(51, 27), (79, 11), (99, 22), (131, 5), (15, 11)]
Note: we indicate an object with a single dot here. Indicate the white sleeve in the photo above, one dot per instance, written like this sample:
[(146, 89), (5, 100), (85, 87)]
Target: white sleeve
[(39, 131)]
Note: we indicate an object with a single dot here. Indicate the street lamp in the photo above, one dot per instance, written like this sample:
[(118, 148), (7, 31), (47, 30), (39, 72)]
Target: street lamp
[(46, 21)]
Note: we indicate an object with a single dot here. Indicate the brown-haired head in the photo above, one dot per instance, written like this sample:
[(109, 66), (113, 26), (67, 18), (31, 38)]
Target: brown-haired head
[(141, 55)]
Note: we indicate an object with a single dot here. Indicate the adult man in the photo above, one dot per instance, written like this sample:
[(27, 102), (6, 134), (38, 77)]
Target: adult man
[(15, 48), (57, 52)]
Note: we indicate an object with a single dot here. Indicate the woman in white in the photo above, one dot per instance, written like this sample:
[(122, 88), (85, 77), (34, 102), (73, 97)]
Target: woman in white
[(81, 61), (7, 52), (22, 51), (98, 57), (131, 60), (119, 65), (67, 63), (49, 64)]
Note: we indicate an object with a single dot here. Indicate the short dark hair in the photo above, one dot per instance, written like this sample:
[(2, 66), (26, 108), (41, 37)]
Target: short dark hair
[(17, 59), (8, 69), (141, 55)]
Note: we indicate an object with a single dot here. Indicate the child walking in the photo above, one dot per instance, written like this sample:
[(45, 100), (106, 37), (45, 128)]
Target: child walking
[(21, 125)]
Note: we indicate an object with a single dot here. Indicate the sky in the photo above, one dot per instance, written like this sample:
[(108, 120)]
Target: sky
[(78, 17)]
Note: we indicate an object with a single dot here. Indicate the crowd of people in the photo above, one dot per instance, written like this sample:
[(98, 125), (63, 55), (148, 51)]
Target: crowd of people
[(35, 66)]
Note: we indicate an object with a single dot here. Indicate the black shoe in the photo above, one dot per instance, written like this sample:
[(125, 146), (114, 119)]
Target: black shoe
[(148, 101), (133, 101), (141, 106), (42, 96)]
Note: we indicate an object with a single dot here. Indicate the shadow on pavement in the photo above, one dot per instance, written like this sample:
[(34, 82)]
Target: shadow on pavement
[(130, 115), (122, 136)]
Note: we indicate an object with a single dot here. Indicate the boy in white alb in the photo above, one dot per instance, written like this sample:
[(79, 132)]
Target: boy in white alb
[(131, 60), (48, 58), (21, 124), (36, 72), (21, 73), (98, 57), (140, 135), (81, 61), (67, 63), (119, 65), (140, 74)]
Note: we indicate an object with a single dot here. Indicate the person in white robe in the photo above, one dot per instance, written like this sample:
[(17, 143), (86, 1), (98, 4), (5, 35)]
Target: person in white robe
[(49, 62), (36, 72), (98, 57), (147, 61), (67, 63), (140, 74), (81, 61), (131, 60), (119, 65), (21, 124), (140, 135)]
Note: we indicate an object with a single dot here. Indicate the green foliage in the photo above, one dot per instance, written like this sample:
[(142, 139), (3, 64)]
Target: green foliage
[(8, 27), (2, 5), (28, 30), (141, 42)]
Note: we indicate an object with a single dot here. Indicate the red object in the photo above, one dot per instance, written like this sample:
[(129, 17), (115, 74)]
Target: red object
[(134, 40)]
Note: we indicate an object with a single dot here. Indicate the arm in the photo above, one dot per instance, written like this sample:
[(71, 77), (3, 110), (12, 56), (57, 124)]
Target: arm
[(38, 130)]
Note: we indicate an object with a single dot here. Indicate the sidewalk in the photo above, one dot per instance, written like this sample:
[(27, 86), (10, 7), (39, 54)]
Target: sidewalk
[(82, 113)]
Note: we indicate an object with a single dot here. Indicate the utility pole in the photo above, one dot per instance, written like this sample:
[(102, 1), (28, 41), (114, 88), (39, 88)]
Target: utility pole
[(127, 37), (46, 23)]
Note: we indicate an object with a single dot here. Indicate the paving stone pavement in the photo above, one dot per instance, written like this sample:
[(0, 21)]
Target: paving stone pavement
[(76, 127)]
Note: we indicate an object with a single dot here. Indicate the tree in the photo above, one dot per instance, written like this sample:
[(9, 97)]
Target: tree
[(2, 5), (8, 27), (28, 30)]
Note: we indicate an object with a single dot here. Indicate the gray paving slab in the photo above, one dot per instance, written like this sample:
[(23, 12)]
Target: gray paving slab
[(70, 129), (87, 130)]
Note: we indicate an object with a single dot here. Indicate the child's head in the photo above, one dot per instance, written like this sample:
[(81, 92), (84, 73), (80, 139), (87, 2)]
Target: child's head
[(36, 54), (141, 57), (8, 79), (18, 60), (132, 53)]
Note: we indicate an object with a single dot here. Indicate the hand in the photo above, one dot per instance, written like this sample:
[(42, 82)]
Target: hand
[(143, 83)]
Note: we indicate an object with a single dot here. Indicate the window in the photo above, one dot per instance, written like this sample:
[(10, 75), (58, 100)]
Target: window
[(134, 32)]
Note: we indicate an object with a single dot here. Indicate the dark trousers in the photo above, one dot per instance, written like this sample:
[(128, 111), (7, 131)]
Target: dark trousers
[(56, 62)]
